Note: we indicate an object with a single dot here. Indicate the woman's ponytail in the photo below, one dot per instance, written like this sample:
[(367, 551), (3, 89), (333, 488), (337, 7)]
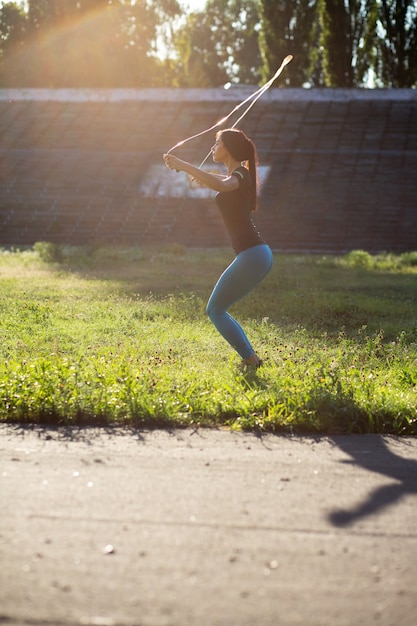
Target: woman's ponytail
[(252, 163), (243, 149)]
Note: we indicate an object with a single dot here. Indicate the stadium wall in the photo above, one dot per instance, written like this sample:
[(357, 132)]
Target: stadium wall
[(339, 167)]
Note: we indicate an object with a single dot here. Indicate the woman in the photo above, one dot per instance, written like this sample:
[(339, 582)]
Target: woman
[(236, 199)]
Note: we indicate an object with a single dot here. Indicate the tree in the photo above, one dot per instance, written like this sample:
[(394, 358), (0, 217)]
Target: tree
[(89, 43), (13, 32), (288, 27), (346, 37), (149, 43), (395, 63), (220, 44), (336, 41)]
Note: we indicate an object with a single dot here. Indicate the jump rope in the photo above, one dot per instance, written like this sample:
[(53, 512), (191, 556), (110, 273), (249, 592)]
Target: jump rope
[(251, 99)]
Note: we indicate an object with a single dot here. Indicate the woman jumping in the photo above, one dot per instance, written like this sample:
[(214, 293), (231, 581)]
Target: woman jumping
[(236, 198)]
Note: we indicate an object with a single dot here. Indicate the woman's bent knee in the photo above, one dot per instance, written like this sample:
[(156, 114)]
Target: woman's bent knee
[(212, 312)]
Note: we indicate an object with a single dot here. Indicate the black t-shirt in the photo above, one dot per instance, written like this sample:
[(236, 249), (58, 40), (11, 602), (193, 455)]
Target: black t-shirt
[(235, 207)]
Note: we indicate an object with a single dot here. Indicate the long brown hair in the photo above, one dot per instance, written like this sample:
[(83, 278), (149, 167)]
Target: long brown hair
[(242, 149)]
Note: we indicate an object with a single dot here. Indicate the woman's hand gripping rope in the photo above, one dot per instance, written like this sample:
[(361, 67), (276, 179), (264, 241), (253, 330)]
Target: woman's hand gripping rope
[(172, 162)]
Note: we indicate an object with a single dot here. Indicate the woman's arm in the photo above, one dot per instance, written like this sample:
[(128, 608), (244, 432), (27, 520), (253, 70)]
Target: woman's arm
[(213, 173), (213, 181)]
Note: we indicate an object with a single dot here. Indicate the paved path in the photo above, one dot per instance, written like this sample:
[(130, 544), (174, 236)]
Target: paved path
[(207, 528)]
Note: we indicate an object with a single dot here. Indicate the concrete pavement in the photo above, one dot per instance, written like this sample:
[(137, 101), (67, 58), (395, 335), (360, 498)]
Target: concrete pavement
[(206, 528)]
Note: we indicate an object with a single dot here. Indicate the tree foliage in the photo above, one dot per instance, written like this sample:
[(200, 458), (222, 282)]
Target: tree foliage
[(363, 38), (287, 27), (395, 60), (152, 43), (87, 43), (220, 45), (13, 28), (346, 35)]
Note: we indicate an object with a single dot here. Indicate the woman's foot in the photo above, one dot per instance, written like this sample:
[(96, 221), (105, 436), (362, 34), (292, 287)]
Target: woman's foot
[(253, 361)]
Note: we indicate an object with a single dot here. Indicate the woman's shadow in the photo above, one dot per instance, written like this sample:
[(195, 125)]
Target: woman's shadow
[(380, 459)]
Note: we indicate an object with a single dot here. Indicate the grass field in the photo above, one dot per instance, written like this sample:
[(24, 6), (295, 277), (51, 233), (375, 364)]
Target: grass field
[(119, 336)]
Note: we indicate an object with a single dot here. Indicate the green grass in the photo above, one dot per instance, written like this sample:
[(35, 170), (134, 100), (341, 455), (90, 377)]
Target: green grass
[(120, 336)]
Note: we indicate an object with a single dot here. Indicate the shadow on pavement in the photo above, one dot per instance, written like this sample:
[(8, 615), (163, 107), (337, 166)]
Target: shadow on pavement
[(85, 434), (380, 459)]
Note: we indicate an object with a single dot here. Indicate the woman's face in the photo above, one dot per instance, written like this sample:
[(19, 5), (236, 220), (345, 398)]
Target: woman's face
[(219, 151)]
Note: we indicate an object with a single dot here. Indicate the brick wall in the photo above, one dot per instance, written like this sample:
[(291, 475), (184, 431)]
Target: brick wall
[(342, 167)]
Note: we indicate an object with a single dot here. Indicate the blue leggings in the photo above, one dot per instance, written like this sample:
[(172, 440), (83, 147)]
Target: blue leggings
[(243, 274)]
